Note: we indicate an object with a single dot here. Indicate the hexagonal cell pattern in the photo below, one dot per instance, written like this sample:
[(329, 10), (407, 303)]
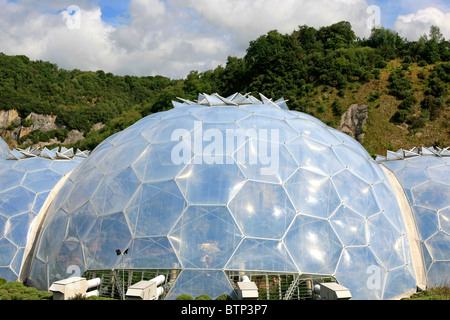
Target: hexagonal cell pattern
[(24, 186), (424, 174), (243, 186)]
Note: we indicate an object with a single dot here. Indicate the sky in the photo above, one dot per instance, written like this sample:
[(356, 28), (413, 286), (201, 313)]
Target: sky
[(173, 37)]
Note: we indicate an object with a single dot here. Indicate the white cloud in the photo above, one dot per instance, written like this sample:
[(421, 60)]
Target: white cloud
[(414, 25), (165, 37)]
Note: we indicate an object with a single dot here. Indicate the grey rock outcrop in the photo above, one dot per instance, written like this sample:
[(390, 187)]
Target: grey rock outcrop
[(354, 120), (73, 136)]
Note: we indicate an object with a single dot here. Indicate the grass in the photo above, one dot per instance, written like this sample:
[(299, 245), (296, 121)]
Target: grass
[(381, 133), (438, 293)]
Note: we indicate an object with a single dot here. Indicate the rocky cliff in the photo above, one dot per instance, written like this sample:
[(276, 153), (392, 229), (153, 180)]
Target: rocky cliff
[(354, 120)]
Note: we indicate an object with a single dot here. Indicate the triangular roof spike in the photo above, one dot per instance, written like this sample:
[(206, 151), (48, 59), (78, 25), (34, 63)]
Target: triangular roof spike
[(400, 153), (81, 154), (27, 154), (200, 98), (35, 151), (444, 152), (240, 99), (409, 154), (225, 100), (426, 151), (68, 152), (186, 101), (60, 155), (15, 153), (14, 156), (45, 153), (415, 150), (268, 101), (177, 104), (379, 158), (282, 103), (253, 99), (213, 100), (232, 96), (432, 150), (390, 155)]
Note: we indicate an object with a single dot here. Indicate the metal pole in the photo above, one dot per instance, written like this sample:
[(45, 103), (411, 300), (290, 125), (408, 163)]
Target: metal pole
[(123, 279)]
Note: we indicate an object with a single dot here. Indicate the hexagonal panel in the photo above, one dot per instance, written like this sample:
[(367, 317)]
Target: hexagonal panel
[(115, 191), (165, 130), (81, 222), (444, 219), (423, 162), (312, 193), (387, 202), (163, 161), (265, 161), (314, 156), (196, 282), (210, 184), (381, 232), (355, 193), (355, 163), (123, 155), (10, 179), (427, 221), (313, 131), (39, 181), (152, 253), (222, 114), (82, 190), (360, 272), (349, 226), (52, 236), (440, 174), (269, 127), (155, 208), (205, 237), (433, 195), (411, 177), (108, 234), (16, 201), (268, 111), (262, 210), (313, 245), (261, 255)]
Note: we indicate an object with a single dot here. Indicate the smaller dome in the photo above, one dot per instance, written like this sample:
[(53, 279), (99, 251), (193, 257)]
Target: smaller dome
[(424, 174), (26, 180)]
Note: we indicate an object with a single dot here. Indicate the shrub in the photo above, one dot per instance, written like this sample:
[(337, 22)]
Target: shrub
[(203, 297), (224, 297), (184, 296), (399, 116), (17, 291)]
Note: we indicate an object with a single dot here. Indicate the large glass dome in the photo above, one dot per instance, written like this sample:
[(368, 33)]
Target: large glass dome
[(225, 185), (26, 180), (424, 174)]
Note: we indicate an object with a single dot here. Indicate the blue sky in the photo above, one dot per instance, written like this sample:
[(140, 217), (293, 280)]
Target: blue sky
[(173, 37)]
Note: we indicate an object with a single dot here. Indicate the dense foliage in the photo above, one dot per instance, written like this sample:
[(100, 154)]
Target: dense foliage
[(17, 291), (277, 65)]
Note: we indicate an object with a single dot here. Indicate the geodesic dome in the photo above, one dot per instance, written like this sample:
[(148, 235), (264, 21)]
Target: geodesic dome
[(26, 180), (229, 185), (424, 174), (4, 149)]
